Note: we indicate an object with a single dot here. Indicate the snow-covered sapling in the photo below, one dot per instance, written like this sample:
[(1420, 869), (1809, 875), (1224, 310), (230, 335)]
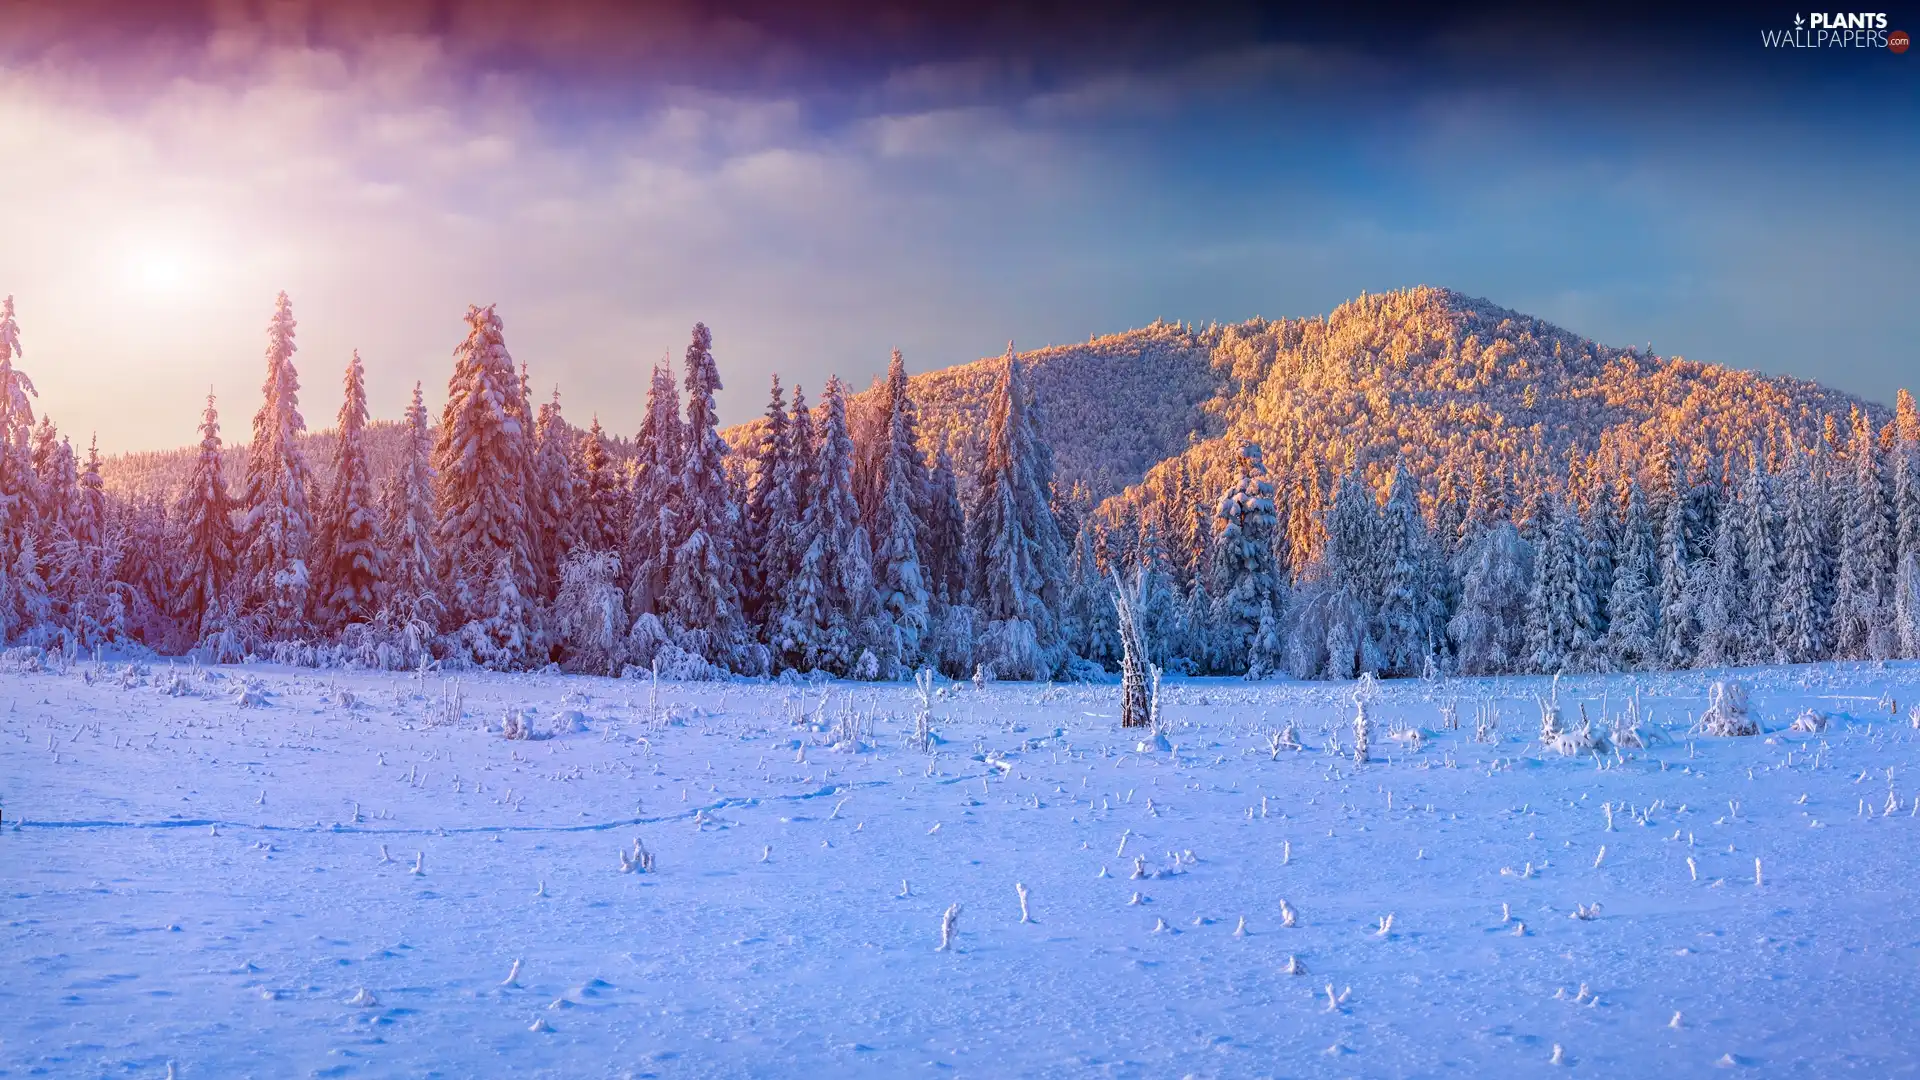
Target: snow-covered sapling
[(949, 924), (1362, 730), (513, 976), (1025, 917), (419, 863)]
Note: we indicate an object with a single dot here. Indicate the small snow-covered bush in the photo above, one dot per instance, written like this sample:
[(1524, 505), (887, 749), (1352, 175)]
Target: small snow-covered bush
[(1811, 721), (1726, 714), (516, 724), (675, 664)]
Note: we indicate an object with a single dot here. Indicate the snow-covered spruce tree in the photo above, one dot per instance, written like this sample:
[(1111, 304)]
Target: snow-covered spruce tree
[(1906, 604), (55, 480), (1633, 604), (1088, 623), (1799, 611), (17, 488), (1336, 609), (1906, 472), (1489, 629), (596, 499), (767, 512), (1679, 622), (277, 526), (31, 607), (1559, 609), (480, 473), (703, 579), (1726, 630), (1245, 582), (551, 503), (1599, 533), (830, 596), (348, 557), (1760, 528), (946, 533), (407, 524), (85, 556), (899, 573), (1018, 578), (655, 486), (1863, 584), (205, 515), (1412, 618), (590, 613)]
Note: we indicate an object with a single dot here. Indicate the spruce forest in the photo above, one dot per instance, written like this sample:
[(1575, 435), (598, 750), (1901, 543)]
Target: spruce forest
[(1417, 484)]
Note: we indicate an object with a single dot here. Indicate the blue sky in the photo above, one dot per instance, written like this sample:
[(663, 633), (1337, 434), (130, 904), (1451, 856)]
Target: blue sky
[(823, 185)]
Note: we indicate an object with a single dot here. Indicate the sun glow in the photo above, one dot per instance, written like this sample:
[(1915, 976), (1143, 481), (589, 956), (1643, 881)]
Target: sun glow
[(161, 270)]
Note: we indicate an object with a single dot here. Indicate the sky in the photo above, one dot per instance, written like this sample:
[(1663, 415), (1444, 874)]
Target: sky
[(823, 183)]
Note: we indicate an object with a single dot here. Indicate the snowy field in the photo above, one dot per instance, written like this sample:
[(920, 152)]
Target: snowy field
[(192, 878)]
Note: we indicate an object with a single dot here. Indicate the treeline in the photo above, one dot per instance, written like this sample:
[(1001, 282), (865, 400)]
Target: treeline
[(836, 536), (1810, 553), (503, 537)]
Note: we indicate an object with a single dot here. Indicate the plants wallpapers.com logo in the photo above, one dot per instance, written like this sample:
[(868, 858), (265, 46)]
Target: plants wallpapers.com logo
[(1842, 30)]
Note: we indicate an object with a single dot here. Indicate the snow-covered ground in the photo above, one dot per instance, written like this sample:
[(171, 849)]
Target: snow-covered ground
[(194, 883)]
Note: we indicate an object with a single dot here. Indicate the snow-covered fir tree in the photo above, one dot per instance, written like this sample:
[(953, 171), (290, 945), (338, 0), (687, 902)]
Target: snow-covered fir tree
[(768, 513), (479, 465), (830, 596), (348, 558), (1245, 583), (1633, 603), (277, 527), (655, 496), (1679, 621), (17, 481), (1760, 528), (1018, 578), (703, 578), (1560, 618), (205, 522), (1412, 617), (1799, 611), (899, 573), (407, 523), (552, 508), (596, 499), (1727, 630), (1863, 581)]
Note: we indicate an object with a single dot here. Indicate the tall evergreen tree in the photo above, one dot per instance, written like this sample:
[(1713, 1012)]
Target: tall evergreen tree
[(553, 511), (597, 503), (350, 562), (1863, 584), (1799, 611), (831, 591), (655, 487), (407, 520), (1679, 622), (946, 533), (1726, 629), (1246, 584), (1559, 610), (1633, 603), (703, 586), (205, 515), (479, 465), (1413, 617), (768, 512), (1760, 524), (897, 525), (278, 527), (1019, 573), (17, 502)]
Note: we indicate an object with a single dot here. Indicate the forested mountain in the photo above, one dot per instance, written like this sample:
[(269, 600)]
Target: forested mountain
[(1417, 482)]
